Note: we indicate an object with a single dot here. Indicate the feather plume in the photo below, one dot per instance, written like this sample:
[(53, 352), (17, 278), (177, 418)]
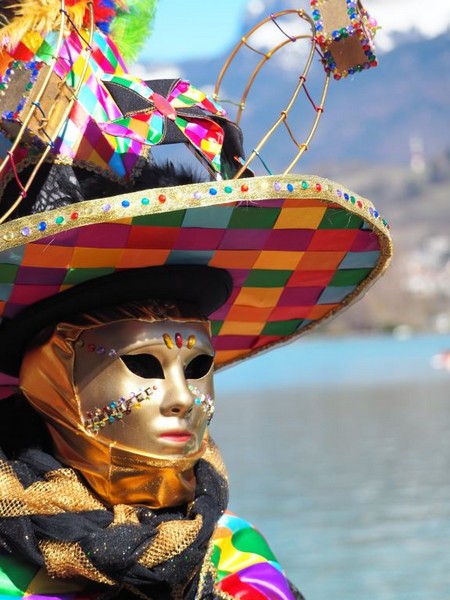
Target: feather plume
[(129, 21), (41, 16), (6, 12), (104, 12), (132, 26)]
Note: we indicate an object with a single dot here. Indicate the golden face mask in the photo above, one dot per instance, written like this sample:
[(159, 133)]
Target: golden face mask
[(147, 386), (127, 404)]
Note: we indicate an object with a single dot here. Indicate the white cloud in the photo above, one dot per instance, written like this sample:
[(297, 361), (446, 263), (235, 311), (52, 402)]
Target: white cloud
[(429, 18), (255, 8), (146, 72), (269, 35)]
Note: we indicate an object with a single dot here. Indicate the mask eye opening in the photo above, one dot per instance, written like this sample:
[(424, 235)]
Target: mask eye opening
[(146, 366), (198, 367)]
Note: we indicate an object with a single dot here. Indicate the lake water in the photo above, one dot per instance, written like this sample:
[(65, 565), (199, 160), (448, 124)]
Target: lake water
[(339, 451)]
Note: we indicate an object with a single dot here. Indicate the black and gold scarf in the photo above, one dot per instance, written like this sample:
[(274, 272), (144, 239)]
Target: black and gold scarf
[(48, 517)]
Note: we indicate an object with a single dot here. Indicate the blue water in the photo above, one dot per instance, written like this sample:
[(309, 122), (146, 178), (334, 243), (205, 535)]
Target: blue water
[(328, 361), (339, 451)]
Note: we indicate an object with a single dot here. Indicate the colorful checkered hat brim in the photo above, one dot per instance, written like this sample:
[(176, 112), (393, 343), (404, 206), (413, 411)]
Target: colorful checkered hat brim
[(298, 248)]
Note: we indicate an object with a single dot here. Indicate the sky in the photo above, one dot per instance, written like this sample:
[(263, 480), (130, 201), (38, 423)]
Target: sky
[(180, 33), (185, 30)]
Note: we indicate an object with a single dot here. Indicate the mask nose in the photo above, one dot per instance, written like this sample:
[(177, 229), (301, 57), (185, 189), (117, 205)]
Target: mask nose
[(178, 399)]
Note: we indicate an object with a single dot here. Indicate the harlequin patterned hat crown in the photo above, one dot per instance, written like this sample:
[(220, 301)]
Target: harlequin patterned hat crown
[(83, 198)]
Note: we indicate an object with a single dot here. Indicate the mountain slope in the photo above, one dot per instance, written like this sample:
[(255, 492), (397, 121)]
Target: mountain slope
[(372, 115)]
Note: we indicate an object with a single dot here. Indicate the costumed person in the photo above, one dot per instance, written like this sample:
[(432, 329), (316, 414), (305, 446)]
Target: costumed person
[(124, 284)]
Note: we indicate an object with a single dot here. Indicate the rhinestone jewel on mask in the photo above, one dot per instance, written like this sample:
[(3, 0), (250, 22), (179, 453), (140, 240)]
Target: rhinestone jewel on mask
[(115, 410), (206, 401)]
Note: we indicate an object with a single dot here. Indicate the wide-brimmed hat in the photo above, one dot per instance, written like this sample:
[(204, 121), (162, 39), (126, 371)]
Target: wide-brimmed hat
[(267, 258)]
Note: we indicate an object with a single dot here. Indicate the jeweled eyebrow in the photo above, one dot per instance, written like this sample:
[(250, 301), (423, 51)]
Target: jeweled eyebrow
[(179, 341)]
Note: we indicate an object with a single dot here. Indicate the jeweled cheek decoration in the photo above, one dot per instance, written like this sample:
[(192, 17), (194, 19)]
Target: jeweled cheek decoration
[(115, 410), (206, 401), (190, 343)]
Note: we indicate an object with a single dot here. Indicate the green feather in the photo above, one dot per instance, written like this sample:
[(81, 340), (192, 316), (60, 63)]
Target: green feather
[(131, 27)]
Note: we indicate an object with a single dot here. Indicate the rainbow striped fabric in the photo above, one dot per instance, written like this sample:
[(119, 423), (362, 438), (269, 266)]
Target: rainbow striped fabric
[(246, 566)]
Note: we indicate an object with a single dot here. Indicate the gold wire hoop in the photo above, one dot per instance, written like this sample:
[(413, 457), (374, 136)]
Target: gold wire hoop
[(245, 45)]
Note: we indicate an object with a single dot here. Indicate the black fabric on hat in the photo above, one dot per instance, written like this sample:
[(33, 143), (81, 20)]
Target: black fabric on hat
[(233, 143), (205, 287)]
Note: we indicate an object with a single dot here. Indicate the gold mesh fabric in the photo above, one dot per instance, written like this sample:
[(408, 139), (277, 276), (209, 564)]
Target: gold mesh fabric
[(124, 515), (207, 569), (61, 489), (60, 492), (67, 559), (172, 538), (213, 456), (11, 492)]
